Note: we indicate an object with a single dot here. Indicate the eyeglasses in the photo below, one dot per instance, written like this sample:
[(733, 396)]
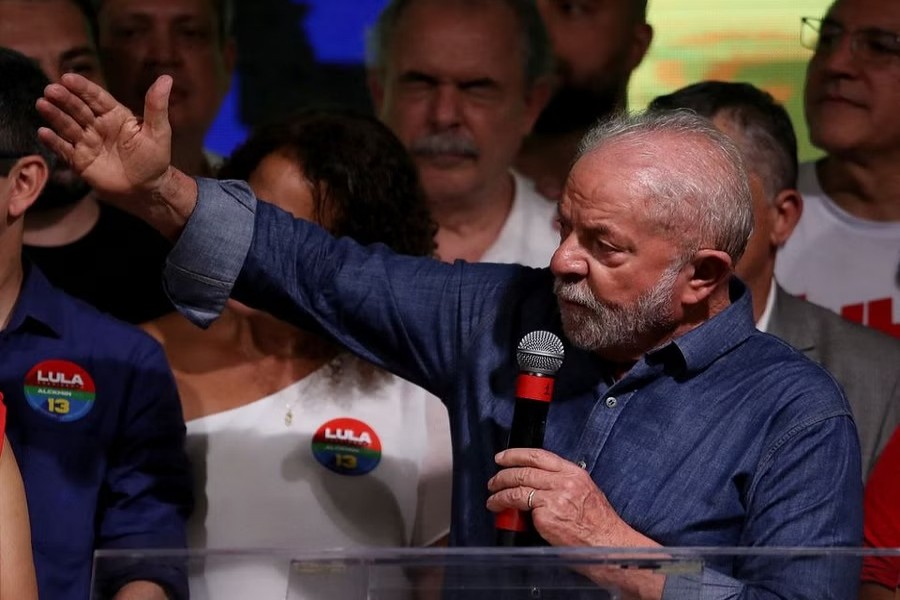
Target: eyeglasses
[(875, 46)]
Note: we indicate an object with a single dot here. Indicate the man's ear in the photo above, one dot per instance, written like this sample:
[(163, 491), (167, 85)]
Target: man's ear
[(27, 179), (536, 98), (642, 36), (786, 209), (707, 270)]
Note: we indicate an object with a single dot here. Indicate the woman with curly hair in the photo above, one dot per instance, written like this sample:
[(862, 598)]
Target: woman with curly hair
[(296, 443)]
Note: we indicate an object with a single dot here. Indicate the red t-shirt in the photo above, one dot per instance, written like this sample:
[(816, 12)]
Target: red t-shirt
[(882, 516)]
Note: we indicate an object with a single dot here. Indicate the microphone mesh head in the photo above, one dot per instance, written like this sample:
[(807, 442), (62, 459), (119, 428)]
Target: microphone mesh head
[(540, 352)]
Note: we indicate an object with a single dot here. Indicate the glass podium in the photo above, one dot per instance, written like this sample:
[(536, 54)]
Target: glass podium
[(479, 573)]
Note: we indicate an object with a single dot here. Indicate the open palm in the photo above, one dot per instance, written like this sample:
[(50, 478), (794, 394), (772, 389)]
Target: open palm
[(114, 151)]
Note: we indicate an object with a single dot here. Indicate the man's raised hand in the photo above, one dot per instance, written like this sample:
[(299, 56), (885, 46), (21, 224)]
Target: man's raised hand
[(114, 151), (124, 158)]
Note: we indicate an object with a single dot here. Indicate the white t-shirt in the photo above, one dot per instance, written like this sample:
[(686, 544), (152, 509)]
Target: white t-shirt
[(844, 263), (529, 237), (363, 460)]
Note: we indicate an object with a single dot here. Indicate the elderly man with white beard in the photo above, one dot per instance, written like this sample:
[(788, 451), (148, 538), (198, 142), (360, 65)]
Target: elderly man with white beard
[(682, 425)]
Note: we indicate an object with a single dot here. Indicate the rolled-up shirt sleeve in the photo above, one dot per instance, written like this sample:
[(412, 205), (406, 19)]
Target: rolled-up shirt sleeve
[(201, 269)]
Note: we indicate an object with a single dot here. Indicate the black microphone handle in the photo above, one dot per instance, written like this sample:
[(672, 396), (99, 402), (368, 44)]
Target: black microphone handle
[(527, 431), (529, 422)]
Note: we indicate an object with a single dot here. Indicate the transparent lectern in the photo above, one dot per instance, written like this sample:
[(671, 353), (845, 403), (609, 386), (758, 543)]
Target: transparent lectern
[(483, 573)]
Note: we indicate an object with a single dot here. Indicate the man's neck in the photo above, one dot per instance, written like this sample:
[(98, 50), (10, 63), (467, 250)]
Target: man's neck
[(868, 189), (468, 227), (11, 277), (546, 160), (61, 226), (760, 285)]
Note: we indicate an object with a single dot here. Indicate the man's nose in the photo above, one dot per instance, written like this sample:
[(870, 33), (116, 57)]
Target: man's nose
[(446, 106), (841, 58), (162, 47), (568, 260)]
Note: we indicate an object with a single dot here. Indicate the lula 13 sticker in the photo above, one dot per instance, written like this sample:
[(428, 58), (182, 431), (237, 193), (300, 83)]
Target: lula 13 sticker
[(60, 389), (347, 446)]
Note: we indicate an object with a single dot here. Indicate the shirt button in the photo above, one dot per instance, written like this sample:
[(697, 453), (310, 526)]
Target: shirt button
[(611, 402), (582, 464)]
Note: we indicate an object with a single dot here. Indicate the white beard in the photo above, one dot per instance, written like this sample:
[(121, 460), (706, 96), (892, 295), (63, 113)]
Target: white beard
[(596, 326)]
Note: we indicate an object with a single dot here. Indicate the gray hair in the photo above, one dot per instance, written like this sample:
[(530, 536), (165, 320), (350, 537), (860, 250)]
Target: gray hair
[(537, 55), (700, 195)]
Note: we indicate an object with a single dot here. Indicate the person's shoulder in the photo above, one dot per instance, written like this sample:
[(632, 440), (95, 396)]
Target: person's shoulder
[(825, 325), (528, 197), (852, 342), (796, 379), (171, 329), (104, 331), (808, 181)]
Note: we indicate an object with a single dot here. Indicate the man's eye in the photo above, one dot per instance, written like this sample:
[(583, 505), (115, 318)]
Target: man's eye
[(196, 33), (573, 8), (882, 44), (125, 31), (829, 38), (81, 68)]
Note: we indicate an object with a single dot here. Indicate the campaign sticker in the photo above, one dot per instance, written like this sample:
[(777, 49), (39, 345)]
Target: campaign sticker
[(347, 447), (60, 389)]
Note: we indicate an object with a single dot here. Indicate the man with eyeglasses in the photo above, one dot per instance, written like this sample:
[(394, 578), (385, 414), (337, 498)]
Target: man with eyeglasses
[(93, 414), (845, 252)]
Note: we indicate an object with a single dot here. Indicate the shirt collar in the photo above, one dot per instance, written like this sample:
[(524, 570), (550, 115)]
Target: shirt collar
[(38, 305), (766, 316), (700, 347)]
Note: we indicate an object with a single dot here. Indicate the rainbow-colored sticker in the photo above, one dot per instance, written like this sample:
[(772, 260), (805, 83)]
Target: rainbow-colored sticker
[(60, 389), (347, 447)]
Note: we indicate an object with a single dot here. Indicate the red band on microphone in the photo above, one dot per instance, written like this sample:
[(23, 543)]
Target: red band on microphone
[(532, 387), (511, 520)]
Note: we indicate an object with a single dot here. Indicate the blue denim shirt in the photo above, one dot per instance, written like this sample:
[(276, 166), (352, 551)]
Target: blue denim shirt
[(95, 422), (724, 437)]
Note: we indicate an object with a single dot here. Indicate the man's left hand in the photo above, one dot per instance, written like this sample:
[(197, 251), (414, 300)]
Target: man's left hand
[(567, 507)]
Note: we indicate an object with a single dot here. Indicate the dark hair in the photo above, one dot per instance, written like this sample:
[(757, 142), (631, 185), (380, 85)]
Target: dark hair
[(23, 83), (638, 9), (224, 11), (767, 137), (537, 55), (363, 179)]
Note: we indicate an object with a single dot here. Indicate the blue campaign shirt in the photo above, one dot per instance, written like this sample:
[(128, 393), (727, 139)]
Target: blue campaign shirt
[(724, 437), (95, 422)]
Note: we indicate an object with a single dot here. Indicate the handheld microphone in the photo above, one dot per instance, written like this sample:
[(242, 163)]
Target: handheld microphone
[(540, 355)]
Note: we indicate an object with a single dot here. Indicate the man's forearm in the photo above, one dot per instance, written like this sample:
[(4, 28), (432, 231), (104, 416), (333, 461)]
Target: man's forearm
[(171, 203)]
